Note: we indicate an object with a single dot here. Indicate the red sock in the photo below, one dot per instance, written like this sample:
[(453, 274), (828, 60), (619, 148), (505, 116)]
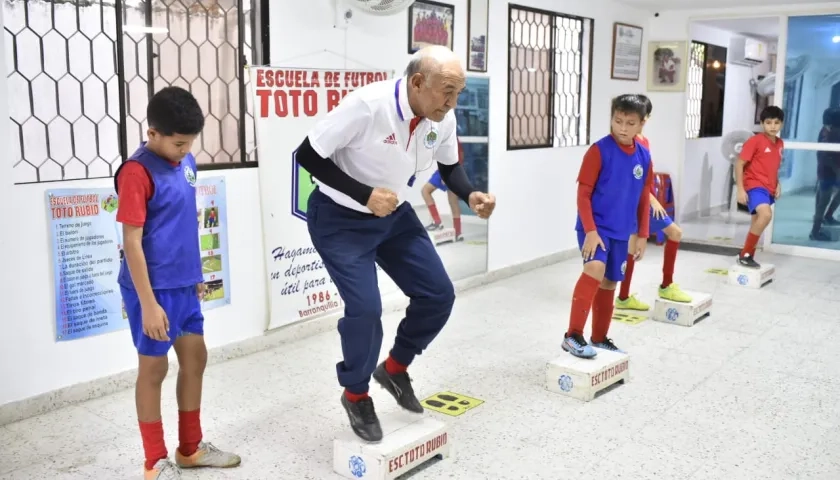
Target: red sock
[(582, 298), (749, 244), (456, 222), (154, 447), (602, 312), (355, 397), (624, 293), (393, 367), (189, 432), (434, 213), (671, 248)]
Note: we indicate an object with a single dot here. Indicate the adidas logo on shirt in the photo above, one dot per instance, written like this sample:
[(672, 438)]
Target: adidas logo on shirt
[(766, 149), (391, 140)]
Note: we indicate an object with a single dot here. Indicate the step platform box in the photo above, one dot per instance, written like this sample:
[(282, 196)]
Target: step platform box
[(444, 235), (409, 440), (685, 314), (583, 378), (752, 277)]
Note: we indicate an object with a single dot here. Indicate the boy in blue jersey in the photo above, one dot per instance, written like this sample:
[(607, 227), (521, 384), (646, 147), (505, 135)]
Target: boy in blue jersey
[(613, 205), (161, 280)]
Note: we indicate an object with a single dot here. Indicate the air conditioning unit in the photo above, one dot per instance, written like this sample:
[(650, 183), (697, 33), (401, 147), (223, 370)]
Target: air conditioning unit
[(746, 51)]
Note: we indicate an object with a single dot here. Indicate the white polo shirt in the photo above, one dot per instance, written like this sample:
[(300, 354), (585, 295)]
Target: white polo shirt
[(367, 136)]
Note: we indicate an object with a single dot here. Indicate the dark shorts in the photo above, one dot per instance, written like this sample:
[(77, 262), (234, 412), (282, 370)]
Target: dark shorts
[(759, 196), (615, 257), (183, 309)]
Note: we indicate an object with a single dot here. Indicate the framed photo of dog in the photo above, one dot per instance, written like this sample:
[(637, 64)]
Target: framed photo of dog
[(667, 66)]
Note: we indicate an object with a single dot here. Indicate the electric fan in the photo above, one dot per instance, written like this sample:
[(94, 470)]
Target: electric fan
[(730, 147), (380, 7), (794, 69)]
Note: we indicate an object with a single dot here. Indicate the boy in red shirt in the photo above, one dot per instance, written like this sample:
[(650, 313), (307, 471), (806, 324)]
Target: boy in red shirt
[(757, 177), (659, 221)]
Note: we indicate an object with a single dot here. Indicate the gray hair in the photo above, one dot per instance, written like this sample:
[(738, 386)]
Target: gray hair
[(416, 65)]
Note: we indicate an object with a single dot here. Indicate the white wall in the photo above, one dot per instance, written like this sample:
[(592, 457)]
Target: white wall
[(536, 191), (705, 170), (536, 188)]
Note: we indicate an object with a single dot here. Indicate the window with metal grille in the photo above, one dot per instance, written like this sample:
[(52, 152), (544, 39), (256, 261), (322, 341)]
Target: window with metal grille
[(706, 86), (80, 74), (549, 80)]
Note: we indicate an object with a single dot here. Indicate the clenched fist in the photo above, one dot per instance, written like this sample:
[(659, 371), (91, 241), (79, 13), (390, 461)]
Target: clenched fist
[(382, 202), (482, 203)]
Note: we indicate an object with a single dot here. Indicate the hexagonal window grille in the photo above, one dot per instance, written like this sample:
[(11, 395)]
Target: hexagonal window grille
[(68, 118), (548, 81)]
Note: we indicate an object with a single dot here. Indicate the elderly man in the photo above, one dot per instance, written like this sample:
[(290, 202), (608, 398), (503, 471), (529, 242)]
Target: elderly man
[(364, 156)]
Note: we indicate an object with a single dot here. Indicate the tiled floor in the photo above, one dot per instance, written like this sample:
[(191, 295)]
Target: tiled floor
[(749, 393)]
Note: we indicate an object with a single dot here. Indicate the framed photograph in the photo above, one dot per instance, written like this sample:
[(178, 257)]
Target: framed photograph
[(430, 23), (477, 35), (626, 52), (667, 64)]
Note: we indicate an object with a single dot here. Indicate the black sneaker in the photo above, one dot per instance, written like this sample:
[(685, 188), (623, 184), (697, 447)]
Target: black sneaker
[(363, 418), (434, 226), (831, 221), (819, 236), (748, 261), (607, 344), (399, 386)]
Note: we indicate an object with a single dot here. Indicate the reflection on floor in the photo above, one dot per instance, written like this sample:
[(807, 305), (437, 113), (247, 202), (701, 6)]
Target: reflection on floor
[(749, 393), (718, 229), (466, 258), (794, 218)]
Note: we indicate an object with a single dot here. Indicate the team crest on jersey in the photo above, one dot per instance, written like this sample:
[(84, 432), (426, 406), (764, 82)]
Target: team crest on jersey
[(431, 138), (637, 172), (189, 175)]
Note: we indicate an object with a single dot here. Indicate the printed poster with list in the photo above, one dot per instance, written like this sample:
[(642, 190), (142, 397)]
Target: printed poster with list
[(87, 242)]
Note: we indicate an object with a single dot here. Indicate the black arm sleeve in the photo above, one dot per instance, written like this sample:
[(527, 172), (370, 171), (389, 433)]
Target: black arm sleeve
[(328, 172), (455, 178)]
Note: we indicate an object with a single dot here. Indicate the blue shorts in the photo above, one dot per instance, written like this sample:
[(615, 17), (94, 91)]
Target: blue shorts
[(759, 196), (659, 224), (437, 181), (183, 309), (615, 258)]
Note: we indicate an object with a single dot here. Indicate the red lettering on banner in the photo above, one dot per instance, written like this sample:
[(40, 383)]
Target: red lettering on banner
[(334, 97), (287, 79), (296, 93), (289, 103)]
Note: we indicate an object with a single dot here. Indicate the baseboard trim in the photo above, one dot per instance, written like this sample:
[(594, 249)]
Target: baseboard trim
[(81, 392)]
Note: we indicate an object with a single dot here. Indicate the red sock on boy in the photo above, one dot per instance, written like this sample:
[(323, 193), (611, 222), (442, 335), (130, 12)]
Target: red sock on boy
[(671, 248), (624, 293), (602, 311), (749, 244), (434, 213), (154, 446), (582, 298), (189, 432)]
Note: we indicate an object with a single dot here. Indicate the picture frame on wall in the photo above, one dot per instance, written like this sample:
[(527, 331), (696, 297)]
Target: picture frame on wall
[(430, 23), (667, 66), (477, 26), (626, 52)]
